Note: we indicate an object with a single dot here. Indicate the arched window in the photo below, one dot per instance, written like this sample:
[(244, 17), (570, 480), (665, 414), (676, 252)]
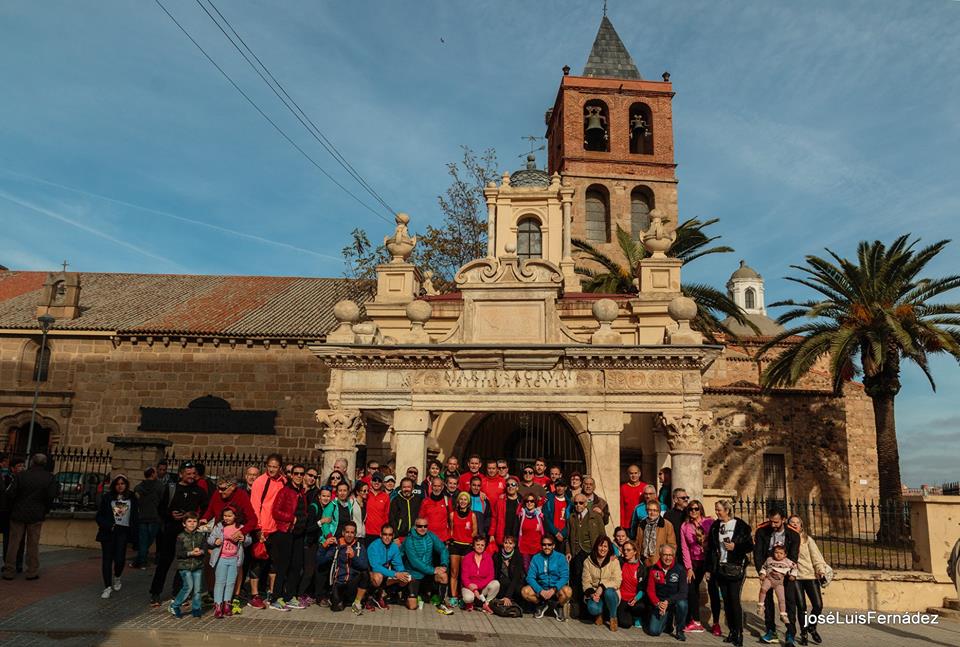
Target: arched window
[(529, 238), (641, 204), (598, 215), (641, 129), (749, 299), (41, 364), (596, 126)]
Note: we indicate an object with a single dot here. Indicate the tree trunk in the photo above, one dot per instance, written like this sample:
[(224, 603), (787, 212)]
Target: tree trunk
[(882, 389)]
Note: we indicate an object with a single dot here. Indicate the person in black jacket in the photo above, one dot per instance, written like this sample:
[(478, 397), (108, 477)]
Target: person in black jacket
[(508, 570), (117, 518), (728, 551), (295, 597), (768, 534), (404, 509), (31, 493), (176, 501)]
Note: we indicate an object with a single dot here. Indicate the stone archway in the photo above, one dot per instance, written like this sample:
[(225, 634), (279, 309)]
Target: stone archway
[(14, 430), (521, 437)]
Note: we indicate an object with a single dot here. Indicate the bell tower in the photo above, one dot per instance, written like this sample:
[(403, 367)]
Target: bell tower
[(610, 136)]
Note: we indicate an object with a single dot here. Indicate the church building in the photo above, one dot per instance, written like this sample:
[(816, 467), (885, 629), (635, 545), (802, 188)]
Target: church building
[(515, 361)]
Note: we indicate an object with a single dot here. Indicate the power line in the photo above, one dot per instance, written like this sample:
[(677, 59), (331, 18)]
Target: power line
[(286, 99), (265, 116)]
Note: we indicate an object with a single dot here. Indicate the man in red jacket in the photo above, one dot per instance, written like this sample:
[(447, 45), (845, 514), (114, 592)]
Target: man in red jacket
[(493, 485), (378, 509), (631, 493), (473, 469), (230, 496), (436, 508)]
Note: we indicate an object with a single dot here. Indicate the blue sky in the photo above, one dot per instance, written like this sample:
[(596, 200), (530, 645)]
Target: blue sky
[(800, 125)]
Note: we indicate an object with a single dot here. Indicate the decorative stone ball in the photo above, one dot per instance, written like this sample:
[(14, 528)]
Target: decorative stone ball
[(346, 311), (510, 248), (419, 311), (682, 309), (605, 310), (402, 218)]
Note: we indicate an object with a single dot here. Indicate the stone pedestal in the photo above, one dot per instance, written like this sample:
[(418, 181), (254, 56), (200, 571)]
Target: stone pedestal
[(410, 428), (131, 455), (660, 275), (397, 282), (935, 528), (343, 430), (604, 428), (685, 438)]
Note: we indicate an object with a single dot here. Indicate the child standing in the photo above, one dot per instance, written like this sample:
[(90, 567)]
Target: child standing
[(190, 550), (226, 558), (773, 573)]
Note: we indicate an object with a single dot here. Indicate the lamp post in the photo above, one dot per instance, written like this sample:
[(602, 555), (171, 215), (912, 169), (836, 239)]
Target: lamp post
[(45, 322)]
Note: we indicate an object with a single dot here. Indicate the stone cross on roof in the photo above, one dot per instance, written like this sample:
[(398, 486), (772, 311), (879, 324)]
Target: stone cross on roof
[(609, 57)]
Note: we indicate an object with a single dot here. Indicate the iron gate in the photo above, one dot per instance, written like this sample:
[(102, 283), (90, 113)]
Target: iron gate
[(523, 437)]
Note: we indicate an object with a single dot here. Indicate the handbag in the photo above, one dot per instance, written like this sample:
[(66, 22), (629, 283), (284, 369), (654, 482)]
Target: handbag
[(505, 611), (259, 551), (730, 571)]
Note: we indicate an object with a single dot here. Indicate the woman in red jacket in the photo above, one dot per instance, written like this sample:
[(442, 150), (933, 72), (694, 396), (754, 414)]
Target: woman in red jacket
[(531, 530), (463, 528)]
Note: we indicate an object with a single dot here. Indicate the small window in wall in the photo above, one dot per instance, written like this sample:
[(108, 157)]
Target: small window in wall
[(641, 204), (529, 238), (774, 479), (41, 364), (750, 299), (596, 126), (641, 129), (598, 215)]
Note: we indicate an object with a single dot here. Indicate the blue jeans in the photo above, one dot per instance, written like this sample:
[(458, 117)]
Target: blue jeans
[(225, 579), (148, 532), (676, 609), (609, 600), (192, 582)]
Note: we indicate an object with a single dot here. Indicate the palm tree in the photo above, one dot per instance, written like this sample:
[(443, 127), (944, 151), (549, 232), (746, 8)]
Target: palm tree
[(691, 243), (869, 316)]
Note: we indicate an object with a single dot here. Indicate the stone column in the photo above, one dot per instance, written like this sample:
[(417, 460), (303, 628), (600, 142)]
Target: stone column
[(133, 454), (490, 193), (571, 282), (410, 428), (343, 430), (604, 428), (685, 438)]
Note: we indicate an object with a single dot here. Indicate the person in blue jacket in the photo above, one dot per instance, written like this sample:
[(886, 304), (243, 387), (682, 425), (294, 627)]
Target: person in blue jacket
[(548, 580), (349, 570), (427, 561), (387, 571)]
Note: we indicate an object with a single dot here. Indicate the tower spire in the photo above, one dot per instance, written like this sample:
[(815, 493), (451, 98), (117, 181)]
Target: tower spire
[(609, 57)]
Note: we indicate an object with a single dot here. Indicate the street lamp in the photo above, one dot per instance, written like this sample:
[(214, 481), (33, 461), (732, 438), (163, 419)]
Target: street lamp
[(45, 322)]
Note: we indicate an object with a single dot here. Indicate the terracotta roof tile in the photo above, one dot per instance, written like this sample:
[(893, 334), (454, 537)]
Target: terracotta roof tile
[(262, 306)]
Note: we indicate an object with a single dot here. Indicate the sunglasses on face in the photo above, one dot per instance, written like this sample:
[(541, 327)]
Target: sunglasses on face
[(502, 467), (580, 503), (528, 471), (546, 545), (530, 501), (421, 525), (386, 534), (297, 473), (311, 475), (684, 498), (694, 508), (512, 485)]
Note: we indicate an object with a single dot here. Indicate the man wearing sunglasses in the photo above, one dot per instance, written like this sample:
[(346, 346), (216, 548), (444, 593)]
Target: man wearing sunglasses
[(176, 501), (528, 486), (640, 511), (548, 581), (583, 528), (229, 494), (387, 570), (675, 516), (427, 561), (311, 537), (505, 521)]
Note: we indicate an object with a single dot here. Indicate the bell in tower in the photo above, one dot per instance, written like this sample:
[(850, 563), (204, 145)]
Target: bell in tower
[(595, 137)]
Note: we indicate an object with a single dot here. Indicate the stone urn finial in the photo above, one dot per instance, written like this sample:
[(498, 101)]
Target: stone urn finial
[(658, 239), (683, 310), (605, 311), (401, 243), (347, 313), (419, 313)]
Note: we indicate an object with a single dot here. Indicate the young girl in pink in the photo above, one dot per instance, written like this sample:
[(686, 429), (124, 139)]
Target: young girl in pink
[(226, 558)]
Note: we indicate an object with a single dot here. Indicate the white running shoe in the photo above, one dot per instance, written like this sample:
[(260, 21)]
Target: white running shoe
[(116, 583), (106, 592)]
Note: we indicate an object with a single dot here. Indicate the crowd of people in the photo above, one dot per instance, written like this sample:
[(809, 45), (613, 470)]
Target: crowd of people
[(478, 539)]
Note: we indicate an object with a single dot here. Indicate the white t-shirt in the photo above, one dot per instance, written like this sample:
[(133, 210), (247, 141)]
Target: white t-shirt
[(121, 512), (726, 534)]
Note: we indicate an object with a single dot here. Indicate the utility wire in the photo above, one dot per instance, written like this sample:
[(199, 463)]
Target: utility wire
[(286, 99), (265, 116)]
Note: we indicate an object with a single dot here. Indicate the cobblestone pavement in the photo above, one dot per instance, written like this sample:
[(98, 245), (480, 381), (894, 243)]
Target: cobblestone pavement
[(64, 608)]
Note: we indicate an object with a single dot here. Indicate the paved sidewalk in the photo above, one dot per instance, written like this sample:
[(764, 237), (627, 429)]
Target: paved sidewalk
[(64, 608)]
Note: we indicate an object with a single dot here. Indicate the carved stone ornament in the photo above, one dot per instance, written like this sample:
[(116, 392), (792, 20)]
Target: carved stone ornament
[(401, 243), (427, 285), (508, 269), (658, 239), (685, 430), (342, 428)]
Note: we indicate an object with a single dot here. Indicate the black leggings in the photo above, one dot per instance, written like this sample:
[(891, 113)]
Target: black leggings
[(809, 589), (114, 552), (279, 547), (733, 611), (309, 568), (693, 595), (626, 614)]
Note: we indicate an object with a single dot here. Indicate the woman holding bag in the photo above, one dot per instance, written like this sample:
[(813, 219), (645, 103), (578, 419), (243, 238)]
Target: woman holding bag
[(728, 551)]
